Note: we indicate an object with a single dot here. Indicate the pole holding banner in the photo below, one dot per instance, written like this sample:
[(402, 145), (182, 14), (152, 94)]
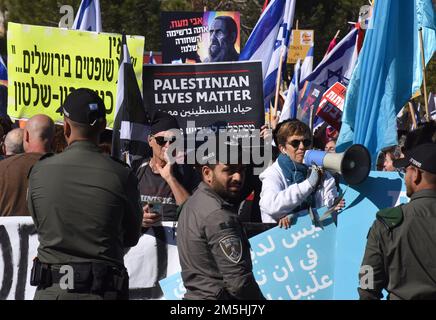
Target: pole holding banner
[(412, 113), (279, 72), (421, 44)]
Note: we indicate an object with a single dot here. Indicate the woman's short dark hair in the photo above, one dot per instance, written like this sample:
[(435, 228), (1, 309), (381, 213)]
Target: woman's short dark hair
[(289, 128)]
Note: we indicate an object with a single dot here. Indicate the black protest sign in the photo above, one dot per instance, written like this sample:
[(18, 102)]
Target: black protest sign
[(221, 95), (181, 32)]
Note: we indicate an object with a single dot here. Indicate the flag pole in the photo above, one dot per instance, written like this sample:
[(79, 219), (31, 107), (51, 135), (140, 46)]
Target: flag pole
[(421, 43), (279, 72), (334, 38), (265, 4), (311, 118), (412, 113)]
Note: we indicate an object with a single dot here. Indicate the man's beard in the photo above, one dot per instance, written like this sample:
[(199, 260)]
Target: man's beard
[(227, 195), (220, 53)]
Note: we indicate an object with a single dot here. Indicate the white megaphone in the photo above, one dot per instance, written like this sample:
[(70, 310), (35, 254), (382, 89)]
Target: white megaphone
[(353, 164)]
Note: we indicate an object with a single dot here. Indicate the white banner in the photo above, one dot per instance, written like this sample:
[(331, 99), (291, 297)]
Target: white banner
[(154, 257)]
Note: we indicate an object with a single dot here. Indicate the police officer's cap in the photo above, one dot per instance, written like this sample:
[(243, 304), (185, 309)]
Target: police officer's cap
[(84, 106), (422, 156)]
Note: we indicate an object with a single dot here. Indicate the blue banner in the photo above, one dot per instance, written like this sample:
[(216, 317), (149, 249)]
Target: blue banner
[(314, 263)]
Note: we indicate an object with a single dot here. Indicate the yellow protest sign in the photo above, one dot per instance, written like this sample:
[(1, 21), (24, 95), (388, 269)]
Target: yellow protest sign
[(45, 64), (300, 43)]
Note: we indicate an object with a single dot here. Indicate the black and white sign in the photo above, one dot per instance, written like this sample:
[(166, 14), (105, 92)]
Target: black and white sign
[(222, 95)]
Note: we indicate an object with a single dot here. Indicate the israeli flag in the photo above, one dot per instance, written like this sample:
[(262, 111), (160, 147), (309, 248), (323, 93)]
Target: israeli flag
[(270, 36), (3, 73), (337, 65), (88, 17), (152, 60), (289, 109), (307, 65)]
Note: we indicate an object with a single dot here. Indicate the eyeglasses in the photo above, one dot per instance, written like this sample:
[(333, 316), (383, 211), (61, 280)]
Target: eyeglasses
[(160, 140), (296, 143)]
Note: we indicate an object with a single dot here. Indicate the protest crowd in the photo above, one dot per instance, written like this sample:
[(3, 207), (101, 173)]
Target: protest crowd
[(95, 181)]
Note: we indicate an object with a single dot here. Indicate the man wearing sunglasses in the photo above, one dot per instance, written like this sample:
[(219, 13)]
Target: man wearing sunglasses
[(400, 254), (288, 186), (162, 184)]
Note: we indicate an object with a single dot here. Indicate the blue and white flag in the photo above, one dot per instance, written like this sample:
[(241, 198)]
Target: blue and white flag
[(88, 17), (151, 59), (3, 73), (337, 65), (270, 36), (289, 109), (389, 71), (307, 65), (3, 88)]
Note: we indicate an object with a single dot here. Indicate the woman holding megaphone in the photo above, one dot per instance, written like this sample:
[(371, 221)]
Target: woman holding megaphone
[(289, 186)]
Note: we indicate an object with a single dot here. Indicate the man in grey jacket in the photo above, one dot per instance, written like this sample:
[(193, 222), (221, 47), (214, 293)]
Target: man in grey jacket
[(213, 247), (400, 254)]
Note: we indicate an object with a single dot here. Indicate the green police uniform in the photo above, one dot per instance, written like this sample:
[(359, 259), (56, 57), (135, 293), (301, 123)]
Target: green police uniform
[(401, 251), (86, 209), (214, 250)]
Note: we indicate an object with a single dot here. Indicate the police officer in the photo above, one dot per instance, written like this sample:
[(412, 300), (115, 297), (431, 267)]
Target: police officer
[(86, 209), (213, 247), (400, 254)]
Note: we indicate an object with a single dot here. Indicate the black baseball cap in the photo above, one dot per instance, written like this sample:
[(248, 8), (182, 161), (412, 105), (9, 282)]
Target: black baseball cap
[(163, 121), (83, 106), (422, 156)]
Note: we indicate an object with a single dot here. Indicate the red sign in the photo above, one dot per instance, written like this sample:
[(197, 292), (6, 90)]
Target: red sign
[(157, 56), (332, 104)]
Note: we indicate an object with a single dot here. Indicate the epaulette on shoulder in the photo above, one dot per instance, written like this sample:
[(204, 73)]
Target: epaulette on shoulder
[(120, 161), (391, 217), (47, 155)]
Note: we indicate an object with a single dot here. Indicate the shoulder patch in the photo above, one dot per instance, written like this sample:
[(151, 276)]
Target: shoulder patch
[(120, 161), (228, 225), (232, 247), (391, 217)]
